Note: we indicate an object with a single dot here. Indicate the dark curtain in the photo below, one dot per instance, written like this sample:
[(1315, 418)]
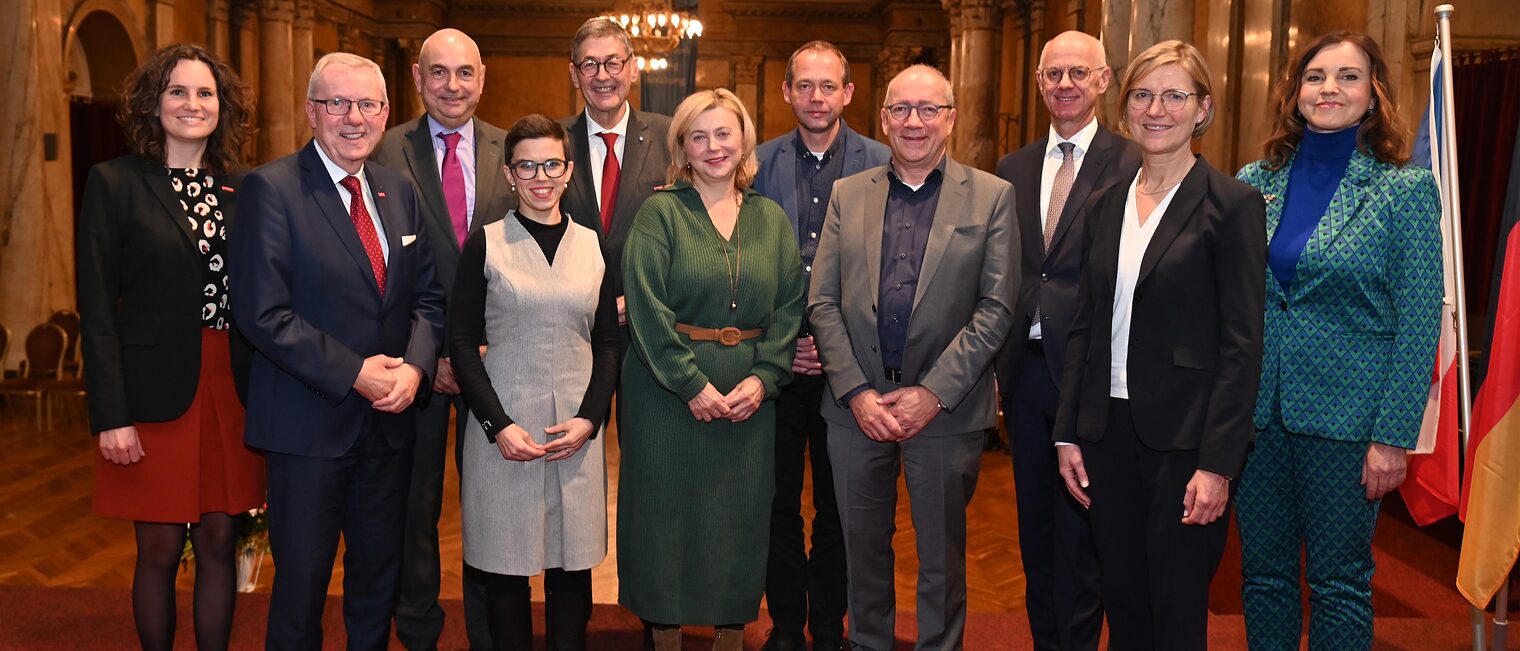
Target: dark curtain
[(664, 90), (1510, 215), (96, 136), (1487, 97)]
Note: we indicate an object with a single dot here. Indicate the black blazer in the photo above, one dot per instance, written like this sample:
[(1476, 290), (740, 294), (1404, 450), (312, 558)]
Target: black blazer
[(1195, 341), (1050, 280), (408, 150), (139, 290), (645, 159)]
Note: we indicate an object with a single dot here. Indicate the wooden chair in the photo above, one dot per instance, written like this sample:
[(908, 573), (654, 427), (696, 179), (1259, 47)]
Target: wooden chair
[(45, 345), (69, 321)]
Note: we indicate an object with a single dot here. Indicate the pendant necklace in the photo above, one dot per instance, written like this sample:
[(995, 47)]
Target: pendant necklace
[(732, 265)]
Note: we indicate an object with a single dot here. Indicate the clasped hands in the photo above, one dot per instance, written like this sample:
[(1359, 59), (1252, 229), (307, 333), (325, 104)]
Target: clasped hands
[(737, 406), (516, 444), (389, 383), (1203, 501), (899, 415)]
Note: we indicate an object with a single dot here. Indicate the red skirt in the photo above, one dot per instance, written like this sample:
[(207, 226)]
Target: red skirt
[(194, 464)]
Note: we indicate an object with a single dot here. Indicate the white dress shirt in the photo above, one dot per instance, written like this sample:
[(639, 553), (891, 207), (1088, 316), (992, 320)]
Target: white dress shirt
[(598, 147), (1134, 238), (338, 174), (1081, 141), (466, 152)]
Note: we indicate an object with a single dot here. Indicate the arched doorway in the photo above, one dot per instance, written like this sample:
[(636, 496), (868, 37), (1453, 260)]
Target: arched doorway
[(99, 58)]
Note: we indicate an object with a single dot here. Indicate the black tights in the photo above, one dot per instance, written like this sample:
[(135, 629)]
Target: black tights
[(159, 546), (556, 580)]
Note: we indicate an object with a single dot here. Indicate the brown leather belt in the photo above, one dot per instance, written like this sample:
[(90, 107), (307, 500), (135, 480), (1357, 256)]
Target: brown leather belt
[(729, 336)]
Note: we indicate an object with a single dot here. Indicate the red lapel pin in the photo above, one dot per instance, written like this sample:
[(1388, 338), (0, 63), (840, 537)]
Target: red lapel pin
[(380, 194)]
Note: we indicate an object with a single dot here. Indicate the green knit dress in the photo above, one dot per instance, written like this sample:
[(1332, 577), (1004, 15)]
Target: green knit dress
[(694, 498)]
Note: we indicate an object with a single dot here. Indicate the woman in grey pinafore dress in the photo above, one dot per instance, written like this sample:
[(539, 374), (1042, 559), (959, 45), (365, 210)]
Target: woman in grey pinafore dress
[(532, 288)]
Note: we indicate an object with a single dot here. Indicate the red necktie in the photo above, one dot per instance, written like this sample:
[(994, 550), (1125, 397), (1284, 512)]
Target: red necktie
[(453, 187), (362, 223), (610, 173)]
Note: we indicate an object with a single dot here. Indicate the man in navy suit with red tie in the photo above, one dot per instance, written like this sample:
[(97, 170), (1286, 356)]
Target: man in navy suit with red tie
[(332, 277)]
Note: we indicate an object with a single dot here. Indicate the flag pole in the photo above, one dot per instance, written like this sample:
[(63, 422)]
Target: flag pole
[(1452, 192)]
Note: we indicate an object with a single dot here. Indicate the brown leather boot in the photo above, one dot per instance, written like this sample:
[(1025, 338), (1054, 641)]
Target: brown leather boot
[(667, 639), (728, 639)]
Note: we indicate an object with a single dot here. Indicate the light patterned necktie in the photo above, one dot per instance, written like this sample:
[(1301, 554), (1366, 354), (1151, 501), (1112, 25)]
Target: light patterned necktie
[(1059, 189)]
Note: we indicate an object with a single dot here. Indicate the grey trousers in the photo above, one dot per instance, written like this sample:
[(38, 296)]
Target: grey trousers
[(941, 474)]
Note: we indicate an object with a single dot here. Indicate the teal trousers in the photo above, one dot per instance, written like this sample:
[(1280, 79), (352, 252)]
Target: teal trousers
[(1302, 495)]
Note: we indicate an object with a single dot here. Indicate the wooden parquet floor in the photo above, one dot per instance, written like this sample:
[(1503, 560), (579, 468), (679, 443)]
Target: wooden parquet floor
[(50, 537)]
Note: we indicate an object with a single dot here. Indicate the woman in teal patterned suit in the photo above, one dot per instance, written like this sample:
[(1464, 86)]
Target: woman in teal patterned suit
[(1353, 296)]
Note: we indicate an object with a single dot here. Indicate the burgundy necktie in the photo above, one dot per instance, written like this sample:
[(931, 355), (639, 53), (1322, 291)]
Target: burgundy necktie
[(610, 173), (366, 228), (453, 186)]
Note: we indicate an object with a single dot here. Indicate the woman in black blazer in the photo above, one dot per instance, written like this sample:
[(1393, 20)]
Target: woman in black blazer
[(159, 355), (1163, 361)]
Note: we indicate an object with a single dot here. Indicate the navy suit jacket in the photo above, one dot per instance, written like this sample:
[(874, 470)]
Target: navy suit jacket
[(1051, 279), (777, 157), (305, 296)]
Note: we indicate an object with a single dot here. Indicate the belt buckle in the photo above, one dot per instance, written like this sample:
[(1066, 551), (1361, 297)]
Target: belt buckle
[(729, 336)]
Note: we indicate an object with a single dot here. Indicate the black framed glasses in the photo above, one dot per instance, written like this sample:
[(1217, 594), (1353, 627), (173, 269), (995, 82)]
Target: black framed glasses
[(1140, 99), (926, 112), (612, 65), (1078, 74), (526, 170), (340, 106)]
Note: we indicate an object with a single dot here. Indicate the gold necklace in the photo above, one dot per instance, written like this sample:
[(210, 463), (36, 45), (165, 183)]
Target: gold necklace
[(733, 265), (1149, 193)]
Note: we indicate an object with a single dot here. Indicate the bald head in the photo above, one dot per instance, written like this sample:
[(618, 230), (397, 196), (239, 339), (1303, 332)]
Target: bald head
[(450, 77), (1079, 67), (917, 75)]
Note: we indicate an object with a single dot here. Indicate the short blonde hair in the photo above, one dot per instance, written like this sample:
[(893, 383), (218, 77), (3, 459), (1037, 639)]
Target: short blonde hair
[(694, 105), (1171, 52), (348, 60)]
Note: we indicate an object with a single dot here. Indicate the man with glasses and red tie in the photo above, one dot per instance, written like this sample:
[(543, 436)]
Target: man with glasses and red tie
[(619, 153), (1053, 178), (455, 161), (331, 278)]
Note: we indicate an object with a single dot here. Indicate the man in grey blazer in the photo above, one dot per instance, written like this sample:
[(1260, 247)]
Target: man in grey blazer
[(912, 295), (798, 171), (455, 162)]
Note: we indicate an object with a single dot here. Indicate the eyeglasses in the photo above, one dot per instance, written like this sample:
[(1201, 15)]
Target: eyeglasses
[(926, 112), (612, 65), (1141, 99), (1078, 74), (526, 170), (339, 106)]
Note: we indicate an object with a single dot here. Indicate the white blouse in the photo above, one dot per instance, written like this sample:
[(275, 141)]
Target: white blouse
[(1134, 238)]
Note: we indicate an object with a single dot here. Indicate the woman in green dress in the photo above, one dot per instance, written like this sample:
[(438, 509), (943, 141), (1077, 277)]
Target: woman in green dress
[(714, 293)]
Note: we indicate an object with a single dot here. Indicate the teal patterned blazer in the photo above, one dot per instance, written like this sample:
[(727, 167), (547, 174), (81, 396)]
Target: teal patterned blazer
[(1350, 346)]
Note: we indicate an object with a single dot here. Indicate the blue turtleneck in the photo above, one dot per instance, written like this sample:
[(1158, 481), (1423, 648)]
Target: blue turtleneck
[(1317, 169)]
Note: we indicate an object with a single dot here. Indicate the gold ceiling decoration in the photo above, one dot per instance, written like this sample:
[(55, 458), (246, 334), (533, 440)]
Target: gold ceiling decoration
[(656, 29)]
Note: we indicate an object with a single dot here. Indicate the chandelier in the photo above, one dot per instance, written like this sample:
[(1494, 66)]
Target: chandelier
[(656, 29)]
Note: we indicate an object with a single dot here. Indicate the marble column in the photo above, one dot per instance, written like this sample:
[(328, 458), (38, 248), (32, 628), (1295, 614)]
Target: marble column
[(245, 36), (218, 31), (976, 102), (1221, 49), (1011, 76), (1115, 36), (1155, 21), (889, 61), (301, 52), (405, 103), (1263, 51), (747, 83), (36, 196), (1035, 122), (957, 54), (276, 123), (163, 25)]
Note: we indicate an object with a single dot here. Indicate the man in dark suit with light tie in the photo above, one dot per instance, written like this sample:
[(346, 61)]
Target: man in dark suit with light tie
[(912, 296), (332, 282), (798, 171), (455, 162), (1054, 178), (620, 154)]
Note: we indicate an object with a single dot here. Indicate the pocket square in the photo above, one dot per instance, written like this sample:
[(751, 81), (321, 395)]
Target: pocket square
[(406, 240)]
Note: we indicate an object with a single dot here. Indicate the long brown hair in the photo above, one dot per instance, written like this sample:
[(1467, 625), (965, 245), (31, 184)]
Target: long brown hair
[(145, 129), (1382, 134)]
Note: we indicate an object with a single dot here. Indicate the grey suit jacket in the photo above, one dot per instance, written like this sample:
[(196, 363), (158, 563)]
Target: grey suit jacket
[(777, 157), (643, 167), (408, 150), (961, 312)]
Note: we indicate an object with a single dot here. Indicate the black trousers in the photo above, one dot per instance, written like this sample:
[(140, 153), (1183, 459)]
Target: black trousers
[(1062, 590), (419, 618), (1156, 570), (805, 586)]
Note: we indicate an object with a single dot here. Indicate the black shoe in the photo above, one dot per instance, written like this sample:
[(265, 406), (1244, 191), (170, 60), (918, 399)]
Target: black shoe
[(566, 615), (779, 641), (829, 644)]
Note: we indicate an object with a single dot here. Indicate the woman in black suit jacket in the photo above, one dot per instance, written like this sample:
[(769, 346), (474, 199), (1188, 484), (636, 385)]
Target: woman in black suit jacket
[(1163, 361), (159, 356)]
